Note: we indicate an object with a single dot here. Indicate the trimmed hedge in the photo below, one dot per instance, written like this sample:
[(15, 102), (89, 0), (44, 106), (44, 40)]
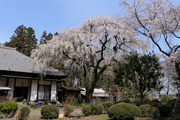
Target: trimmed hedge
[(24, 113), (123, 111), (95, 109), (146, 110), (107, 104), (50, 112), (86, 110), (68, 109), (149, 111), (8, 108)]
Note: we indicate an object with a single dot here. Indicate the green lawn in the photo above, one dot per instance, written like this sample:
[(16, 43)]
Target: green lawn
[(102, 116)]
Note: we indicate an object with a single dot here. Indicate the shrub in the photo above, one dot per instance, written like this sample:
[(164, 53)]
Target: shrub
[(155, 112), (123, 111), (166, 98), (127, 101), (167, 103), (24, 113), (155, 102), (68, 109), (146, 110), (137, 99), (146, 100), (149, 111), (93, 109), (107, 104), (50, 112), (165, 110), (8, 108), (96, 109), (86, 110)]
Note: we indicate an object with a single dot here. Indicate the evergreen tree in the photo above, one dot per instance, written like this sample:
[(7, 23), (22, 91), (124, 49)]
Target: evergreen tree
[(24, 40), (46, 37), (141, 73), (56, 33)]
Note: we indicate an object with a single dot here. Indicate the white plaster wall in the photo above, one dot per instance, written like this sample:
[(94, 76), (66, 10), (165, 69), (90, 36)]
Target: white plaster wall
[(41, 82), (22, 82), (11, 85), (2, 82), (34, 86), (53, 90)]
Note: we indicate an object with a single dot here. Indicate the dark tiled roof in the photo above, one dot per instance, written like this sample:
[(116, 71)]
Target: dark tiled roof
[(72, 88), (12, 60)]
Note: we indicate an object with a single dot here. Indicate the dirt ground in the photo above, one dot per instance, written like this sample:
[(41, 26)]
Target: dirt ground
[(37, 112)]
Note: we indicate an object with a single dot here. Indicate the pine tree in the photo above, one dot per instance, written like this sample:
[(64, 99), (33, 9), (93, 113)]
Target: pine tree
[(30, 40), (24, 40), (45, 37), (56, 33)]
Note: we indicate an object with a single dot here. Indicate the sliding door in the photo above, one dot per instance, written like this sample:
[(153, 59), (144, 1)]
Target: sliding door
[(44, 92)]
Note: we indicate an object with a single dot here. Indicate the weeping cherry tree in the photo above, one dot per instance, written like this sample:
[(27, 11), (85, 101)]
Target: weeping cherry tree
[(91, 48), (159, 22)]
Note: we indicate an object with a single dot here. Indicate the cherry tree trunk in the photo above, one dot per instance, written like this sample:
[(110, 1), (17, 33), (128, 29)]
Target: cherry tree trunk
[(89, 92), (141, 97)]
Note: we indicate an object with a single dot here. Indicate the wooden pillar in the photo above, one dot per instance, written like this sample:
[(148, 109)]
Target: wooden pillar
[(7, 82), (0, 76), (29, 89), (37, 89)]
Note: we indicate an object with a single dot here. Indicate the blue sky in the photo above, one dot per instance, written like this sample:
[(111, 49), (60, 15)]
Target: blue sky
[(50, 15)]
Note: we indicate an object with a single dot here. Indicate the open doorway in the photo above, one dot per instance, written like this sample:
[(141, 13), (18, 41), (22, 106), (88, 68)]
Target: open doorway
[(21, 93)]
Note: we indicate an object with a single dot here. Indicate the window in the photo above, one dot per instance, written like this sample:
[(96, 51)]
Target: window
[(44, 92)]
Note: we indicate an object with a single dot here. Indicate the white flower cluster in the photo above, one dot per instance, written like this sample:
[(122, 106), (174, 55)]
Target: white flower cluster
[(96, 42)]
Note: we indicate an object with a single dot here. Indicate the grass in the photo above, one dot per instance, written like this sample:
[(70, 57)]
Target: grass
[(103, 116)]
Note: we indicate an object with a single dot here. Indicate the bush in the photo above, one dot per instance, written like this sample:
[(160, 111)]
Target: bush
[(24, 113), (149, 111), (166, 98), (155, 112), (165, 110), (127, 101), (146, 100), (96, 109), (86, 110), (123, 111), (107, 104), (146, 110), (50, 112), (155, 102), (8, 108), (167, 103), (68, 109)]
